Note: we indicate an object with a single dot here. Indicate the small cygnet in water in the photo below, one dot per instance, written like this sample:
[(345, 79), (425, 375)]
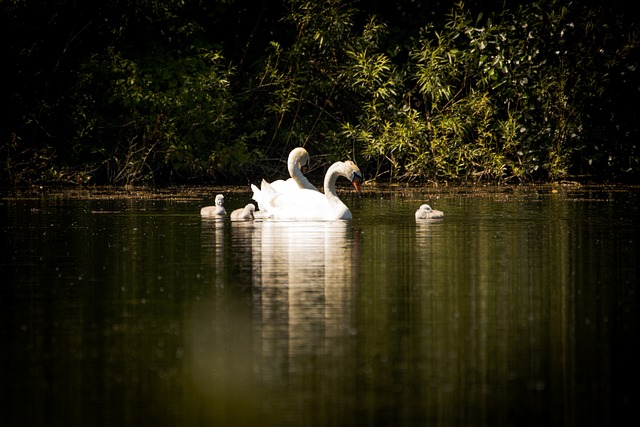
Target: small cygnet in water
[(244, 213), (215, 211), (425, 212)]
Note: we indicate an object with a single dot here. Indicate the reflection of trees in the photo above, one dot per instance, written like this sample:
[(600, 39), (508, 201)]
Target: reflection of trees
[(510, 312), (95, 330)]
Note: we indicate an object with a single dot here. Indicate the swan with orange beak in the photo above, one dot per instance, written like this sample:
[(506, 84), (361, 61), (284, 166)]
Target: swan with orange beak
[(304, 204)]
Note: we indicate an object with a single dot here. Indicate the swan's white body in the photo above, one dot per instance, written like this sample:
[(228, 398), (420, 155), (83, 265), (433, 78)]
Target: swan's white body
[(425, 212), (217, 210), (244, 213), (305, 204), (298, 159)]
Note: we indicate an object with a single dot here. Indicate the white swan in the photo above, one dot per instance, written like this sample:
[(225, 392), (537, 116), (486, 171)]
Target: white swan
[(308, 204), (425, 212), (215, 211), (298, 161), (243, 213)]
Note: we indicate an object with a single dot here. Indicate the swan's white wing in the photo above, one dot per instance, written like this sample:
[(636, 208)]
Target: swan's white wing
[(282, 186), (305, 204), (300, 204), (257, 196)]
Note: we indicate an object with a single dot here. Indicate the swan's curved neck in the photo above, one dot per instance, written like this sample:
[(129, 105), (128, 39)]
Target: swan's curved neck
[(336, 170), (296, 174)]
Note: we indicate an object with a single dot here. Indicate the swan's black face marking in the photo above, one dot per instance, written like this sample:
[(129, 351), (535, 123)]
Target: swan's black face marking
[(357, 175)]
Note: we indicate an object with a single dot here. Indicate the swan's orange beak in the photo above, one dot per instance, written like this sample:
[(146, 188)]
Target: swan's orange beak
[(357, 184)]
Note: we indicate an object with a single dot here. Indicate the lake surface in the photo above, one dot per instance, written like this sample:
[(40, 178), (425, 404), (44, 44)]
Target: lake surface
[(520, 307)]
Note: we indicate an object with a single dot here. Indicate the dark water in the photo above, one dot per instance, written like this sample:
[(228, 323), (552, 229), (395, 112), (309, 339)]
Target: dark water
[(519, 308)]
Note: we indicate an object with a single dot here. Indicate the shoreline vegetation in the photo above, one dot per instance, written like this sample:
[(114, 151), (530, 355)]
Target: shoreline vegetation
[(400, 190), (216, 93)]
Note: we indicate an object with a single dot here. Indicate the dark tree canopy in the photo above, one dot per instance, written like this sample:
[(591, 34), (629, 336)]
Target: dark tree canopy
[(128, 92)]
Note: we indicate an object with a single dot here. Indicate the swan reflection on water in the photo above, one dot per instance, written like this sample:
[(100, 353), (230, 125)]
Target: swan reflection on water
[(303, 273), (282, 298)]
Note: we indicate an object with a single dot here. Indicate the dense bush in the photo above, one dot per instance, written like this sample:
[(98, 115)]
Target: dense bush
[(198, 91)]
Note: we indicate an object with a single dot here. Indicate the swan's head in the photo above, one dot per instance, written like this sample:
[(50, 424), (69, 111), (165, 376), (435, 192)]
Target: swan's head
[(300, 157), (251, 207), (219, 200), (354, 175)]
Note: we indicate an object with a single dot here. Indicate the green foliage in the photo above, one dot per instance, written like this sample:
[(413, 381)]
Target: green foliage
[(489, 99), (179, 91), (24, 164), (158, 111), (300, 87)]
